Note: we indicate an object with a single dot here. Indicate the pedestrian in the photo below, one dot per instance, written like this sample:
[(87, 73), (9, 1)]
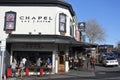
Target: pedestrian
[(70, 62), (76, 64), (21, 68), (24, 60), (88, 60), (49, 65), (38, 63), (48, 61), (82, 61), (27, 63), (13, 67), (93, 62)]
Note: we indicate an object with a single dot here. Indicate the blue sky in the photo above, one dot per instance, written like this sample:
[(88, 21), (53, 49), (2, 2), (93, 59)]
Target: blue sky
[(105, 12)]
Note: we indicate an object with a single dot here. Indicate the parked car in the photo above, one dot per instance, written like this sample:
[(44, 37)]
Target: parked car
[(110, 61)]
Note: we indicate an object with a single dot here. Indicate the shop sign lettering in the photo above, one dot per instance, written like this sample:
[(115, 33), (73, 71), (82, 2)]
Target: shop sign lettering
[(35, 19)]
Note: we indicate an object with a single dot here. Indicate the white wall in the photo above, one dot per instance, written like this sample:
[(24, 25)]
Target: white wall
[(24, 27), (31, 26)]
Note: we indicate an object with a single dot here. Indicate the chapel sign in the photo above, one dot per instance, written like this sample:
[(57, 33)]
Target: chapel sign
[(35, 19)]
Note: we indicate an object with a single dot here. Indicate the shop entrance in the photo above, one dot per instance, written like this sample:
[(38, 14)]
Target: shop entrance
[(61, 62)]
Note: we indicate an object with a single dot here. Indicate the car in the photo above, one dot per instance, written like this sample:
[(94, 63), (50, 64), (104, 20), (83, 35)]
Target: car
[(110, 61)]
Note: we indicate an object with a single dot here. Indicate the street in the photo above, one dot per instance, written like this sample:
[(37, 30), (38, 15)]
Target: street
[(101, 73)]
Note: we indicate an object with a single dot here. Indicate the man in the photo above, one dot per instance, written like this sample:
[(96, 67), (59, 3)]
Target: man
[(48, 61), (93, 62), (24, 60)]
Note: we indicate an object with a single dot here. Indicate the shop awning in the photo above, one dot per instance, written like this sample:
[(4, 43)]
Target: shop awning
[(56, 39)]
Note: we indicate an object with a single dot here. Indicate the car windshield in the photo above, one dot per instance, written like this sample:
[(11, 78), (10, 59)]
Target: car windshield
[(111, 58)]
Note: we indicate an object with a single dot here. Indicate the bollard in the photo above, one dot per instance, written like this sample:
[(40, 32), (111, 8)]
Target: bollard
[(27, 72), (9, 72), (41, 72)]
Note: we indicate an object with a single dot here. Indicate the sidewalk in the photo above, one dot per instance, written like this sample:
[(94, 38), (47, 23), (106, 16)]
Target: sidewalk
[(70, 74)]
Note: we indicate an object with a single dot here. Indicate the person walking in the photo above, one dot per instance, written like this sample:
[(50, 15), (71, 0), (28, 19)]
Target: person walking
[(82, 61), (93, 62), (88, 61)]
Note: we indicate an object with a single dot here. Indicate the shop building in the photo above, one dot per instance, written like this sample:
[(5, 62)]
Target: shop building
[(39, 28)]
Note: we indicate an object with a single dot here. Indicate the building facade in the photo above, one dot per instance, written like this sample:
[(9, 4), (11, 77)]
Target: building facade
[(39, 28)]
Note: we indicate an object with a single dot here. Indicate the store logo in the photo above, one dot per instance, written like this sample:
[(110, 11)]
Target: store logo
[(33, 19)]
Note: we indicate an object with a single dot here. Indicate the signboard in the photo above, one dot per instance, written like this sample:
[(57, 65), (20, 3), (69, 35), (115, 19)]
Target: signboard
[(81, 26), (35, 19), (10, 21)]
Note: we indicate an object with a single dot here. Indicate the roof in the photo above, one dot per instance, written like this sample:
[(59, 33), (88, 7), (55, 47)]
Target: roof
[(60, 3), (56, 39), (31, 0)]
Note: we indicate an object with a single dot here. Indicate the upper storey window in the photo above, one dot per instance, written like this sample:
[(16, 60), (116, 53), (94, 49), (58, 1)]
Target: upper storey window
[(10, 21), (62, 22)]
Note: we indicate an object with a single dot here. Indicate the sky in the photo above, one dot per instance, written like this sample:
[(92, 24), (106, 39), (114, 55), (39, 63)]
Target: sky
[(105, 12)]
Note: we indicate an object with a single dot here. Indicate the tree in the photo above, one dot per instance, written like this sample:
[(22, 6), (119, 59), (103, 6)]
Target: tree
[(94, 31), (118, 46)]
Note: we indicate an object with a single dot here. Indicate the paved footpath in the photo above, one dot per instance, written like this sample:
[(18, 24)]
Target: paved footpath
[(70, 74)]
